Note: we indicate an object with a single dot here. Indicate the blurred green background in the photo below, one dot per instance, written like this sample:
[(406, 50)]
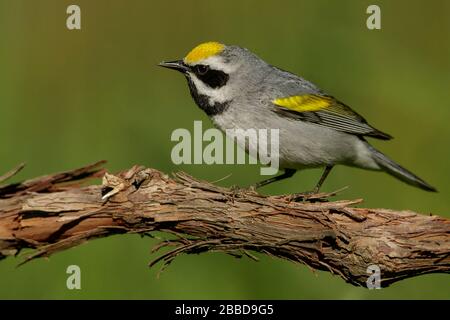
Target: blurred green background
[(69, 98)]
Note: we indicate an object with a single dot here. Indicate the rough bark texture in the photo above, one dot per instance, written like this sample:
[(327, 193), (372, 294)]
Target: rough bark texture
[(56, 212)]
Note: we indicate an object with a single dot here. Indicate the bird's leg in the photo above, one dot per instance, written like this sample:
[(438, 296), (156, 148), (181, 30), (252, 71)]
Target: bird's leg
[(311, 194), (286, 174), (325, 174)]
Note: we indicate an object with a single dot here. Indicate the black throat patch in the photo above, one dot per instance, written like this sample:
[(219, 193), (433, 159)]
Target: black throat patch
[(203, 101)]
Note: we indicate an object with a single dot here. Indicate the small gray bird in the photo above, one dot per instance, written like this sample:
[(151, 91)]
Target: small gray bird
[(237, 89)]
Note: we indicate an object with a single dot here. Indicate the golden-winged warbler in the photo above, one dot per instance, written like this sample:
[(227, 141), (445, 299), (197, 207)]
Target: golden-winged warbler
[(238, 90)]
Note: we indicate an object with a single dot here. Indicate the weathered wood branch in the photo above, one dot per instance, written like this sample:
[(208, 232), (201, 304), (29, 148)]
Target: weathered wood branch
[(59, 211)]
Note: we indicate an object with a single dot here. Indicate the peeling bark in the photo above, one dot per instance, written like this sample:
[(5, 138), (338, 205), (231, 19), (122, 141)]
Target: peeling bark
[(59, 211)]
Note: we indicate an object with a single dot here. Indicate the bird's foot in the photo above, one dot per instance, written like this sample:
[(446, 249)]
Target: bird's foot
[(238, 191), (313, 195)]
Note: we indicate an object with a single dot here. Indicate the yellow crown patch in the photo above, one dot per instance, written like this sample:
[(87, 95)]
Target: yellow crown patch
[(203, 51)]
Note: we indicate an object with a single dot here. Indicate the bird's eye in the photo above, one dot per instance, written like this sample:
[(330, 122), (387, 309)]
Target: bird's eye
[(201, 69)]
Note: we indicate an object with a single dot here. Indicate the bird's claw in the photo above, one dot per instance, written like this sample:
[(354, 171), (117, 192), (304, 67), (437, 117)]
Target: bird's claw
[(237, 191), (314, 195), (307, 196)]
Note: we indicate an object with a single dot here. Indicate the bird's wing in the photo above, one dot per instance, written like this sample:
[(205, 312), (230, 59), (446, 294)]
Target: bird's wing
[(326, 111)]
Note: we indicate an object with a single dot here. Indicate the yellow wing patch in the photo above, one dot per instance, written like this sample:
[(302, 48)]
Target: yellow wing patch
[(304, 103), (203, 51)]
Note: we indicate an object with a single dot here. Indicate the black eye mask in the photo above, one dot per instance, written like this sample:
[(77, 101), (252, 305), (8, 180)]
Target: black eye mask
[(212, 78)]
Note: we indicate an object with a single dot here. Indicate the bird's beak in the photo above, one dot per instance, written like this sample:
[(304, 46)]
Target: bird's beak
[(175, 65)]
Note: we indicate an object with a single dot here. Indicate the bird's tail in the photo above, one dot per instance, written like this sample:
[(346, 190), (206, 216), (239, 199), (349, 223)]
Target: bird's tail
[(398, 171)]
